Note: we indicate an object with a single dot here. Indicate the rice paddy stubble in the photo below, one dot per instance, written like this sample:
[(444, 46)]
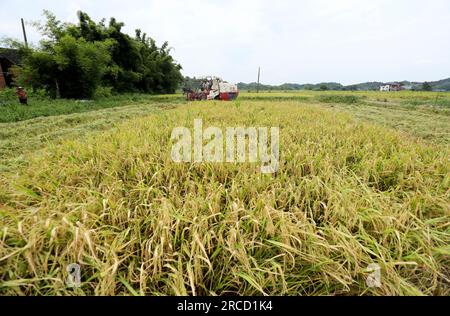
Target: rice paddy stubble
[(347, 195)]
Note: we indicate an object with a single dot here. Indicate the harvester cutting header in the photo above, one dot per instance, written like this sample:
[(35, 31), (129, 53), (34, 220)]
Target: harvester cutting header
[(212, 88)]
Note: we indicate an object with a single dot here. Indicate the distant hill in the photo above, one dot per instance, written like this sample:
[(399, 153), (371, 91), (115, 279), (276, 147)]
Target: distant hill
[(292, 86), (441, 85)]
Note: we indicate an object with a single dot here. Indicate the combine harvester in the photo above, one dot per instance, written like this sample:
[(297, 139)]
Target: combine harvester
[(213, 88)]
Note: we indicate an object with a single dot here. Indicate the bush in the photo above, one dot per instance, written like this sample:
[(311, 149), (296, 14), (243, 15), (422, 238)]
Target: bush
[(7, 95), (102, 92)]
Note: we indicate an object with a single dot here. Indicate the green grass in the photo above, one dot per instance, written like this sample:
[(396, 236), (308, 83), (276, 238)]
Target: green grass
[(333, 98), (349, 193), (425, 115), (12, 111), (17, 139), (274, 97), (429, 124)]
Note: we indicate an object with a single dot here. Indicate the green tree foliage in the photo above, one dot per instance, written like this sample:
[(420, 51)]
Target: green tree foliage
[(191, 83), (70, 68), (426, 87), (76, 59)]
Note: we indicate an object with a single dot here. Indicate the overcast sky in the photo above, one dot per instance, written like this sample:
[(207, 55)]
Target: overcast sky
[(347, 41)]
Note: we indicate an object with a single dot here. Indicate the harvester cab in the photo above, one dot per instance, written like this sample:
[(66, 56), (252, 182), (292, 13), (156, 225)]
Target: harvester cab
[(213, 88)]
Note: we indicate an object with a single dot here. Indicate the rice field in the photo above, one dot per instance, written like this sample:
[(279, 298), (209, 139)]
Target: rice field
[(361, 181)]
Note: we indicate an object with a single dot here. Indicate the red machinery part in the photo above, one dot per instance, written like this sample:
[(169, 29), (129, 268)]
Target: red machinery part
[(228, 96)]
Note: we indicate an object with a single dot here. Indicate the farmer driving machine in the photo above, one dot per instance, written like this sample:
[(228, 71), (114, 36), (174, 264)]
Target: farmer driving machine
[(212, 88)]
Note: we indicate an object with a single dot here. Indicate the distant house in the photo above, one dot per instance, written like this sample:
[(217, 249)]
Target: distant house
[(8, 58), (391, 87)]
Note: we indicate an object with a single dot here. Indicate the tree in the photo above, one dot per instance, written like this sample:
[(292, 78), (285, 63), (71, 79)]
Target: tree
[(137, 63), (70, 68), (74, 60), (323, 87), (426, 87), (83, 62)]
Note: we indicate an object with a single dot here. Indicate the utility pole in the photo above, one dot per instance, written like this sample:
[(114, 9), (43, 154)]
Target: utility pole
[(259, 72), (24, 33)]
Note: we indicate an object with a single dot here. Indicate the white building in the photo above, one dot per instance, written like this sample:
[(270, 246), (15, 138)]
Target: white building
[(391, 87)]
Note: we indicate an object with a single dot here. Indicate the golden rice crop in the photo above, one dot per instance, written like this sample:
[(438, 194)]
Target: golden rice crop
[(348, 194)]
